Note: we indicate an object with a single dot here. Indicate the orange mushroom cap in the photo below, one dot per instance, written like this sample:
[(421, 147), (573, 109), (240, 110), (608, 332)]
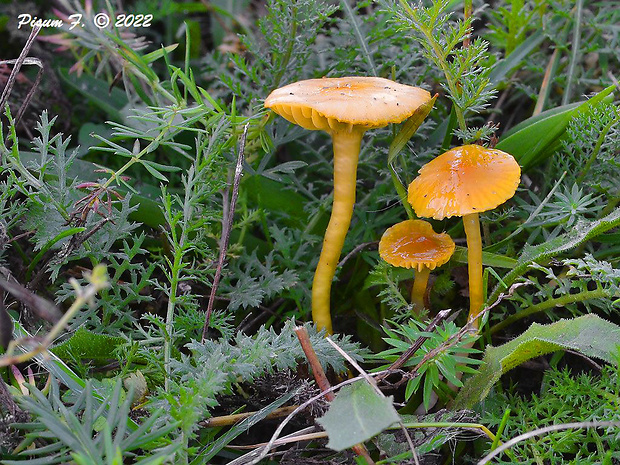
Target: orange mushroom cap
[(339, 103), (414, 244), (464, 180)]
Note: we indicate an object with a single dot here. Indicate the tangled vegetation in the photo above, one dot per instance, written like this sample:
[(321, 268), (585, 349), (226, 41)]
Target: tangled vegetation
[(160, 229)]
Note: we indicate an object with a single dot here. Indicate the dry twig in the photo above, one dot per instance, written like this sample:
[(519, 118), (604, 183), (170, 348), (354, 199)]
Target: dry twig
[(23, 59), (227, 227), (322, 382)]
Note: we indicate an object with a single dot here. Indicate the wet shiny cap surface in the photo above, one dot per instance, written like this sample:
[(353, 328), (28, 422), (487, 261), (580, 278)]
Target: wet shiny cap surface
[(341, 103), (464, 180), (414, 244)]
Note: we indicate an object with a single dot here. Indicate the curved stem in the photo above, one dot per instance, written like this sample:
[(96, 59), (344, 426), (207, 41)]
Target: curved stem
[(346, 154), (474, 265), (419, 288), (561, 301)]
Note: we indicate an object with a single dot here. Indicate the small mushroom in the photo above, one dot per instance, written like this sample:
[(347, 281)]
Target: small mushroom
[(345, 108), (465, 181), (414, 244)]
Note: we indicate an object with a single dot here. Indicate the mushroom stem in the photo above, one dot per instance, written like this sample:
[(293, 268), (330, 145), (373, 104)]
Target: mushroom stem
[(419, 288), (474, 265), (346, 153)]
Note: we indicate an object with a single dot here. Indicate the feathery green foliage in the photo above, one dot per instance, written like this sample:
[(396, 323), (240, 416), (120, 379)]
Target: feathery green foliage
[(125, 155)]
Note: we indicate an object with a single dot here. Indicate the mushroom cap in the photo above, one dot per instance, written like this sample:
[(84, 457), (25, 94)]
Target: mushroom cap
[(414, 244), (464, 180), (335, 104)]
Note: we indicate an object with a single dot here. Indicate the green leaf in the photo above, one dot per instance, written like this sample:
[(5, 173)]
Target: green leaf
[(400, 141), (135, 59), (588, 334), (157, 54), (54, 365), (60, 236), (270, 196), (409, 128), (357, 414), (538, 137), (501, 69), (488, 258), (151, 169), (360, 36), (98, 91), (84, 344)]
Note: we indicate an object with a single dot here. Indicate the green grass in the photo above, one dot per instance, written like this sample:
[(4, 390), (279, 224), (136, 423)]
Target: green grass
[(147, 150)]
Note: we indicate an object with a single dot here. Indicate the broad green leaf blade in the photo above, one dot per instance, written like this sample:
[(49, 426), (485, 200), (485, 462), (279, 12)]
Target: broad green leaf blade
[(357, 414), (488, 258), (588, 334), (583, 231), (538, 137), (271, 196), (541, 116), (85, 344), (97, 91), (530, 144), (501, 69)]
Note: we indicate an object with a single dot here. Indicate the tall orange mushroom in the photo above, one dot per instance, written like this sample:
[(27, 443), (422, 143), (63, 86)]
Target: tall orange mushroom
[(345, 108), (414, 244), (465, 181)]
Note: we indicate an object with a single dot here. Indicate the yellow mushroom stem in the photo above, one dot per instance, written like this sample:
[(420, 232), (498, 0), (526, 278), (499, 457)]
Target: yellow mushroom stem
[(419, 287), (346, 153), (474, 266)]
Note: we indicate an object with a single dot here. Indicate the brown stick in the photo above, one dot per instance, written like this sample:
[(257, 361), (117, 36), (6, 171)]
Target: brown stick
[(226, 228), (227, 420), (323, 383), (467, 12), (17, 66), (540, 103), (317, 369)]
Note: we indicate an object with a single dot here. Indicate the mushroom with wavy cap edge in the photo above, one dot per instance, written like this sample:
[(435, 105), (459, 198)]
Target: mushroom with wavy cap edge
[(466, 181), (414, 244), (345, 108)]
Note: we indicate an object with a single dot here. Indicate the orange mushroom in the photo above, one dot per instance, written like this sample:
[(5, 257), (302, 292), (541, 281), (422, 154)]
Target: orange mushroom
[(465, 181), (345, 108), (414, 244)]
